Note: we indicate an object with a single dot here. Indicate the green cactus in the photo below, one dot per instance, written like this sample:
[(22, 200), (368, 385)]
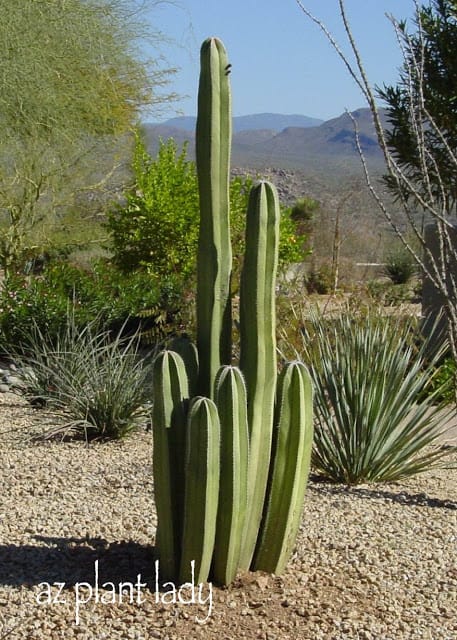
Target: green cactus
[(201, 489), (289, 469), (242, 502), (258, 345), (232, 407), (214, 262), (169, 416)]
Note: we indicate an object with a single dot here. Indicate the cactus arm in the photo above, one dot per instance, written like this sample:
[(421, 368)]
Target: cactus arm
[(170, 397), (232, 409), (184, 346), (213, 140), (201, 489), (289, 470), (258, 345)]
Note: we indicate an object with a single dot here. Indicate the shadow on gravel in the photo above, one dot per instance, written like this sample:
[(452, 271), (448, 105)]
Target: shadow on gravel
[(402, 497), (72, 560)]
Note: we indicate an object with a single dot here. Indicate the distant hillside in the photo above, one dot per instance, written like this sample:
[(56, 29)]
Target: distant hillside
[(329, 146), (273, 121)]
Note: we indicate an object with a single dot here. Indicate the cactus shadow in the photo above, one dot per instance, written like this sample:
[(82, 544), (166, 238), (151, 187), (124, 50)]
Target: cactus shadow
[(72, 560)]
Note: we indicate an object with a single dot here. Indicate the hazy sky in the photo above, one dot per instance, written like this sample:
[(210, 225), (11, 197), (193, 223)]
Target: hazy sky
[(281, 61)]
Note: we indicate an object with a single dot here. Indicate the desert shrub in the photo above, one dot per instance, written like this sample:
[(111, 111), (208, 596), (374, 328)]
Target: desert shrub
[(100, 384), (442, 383), (372, 422), (156, 229), (400, 266), (105, 293), (320, 280)]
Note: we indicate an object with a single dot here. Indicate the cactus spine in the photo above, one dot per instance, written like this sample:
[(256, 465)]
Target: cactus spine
[(214, 263), (258, 345), (240, 499)]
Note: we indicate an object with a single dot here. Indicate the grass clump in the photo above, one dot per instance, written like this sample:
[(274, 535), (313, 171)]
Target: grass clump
[(96, 380)]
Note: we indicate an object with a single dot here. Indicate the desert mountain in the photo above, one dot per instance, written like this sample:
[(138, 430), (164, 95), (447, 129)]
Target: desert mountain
[(327, 146)]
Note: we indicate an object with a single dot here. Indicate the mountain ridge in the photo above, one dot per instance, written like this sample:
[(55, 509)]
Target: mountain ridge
[(326, 147)]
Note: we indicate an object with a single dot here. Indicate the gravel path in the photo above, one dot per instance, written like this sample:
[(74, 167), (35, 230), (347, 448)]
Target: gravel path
[(371, 562)]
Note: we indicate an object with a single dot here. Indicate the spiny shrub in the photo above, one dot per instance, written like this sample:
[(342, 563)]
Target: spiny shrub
[(373, 423)]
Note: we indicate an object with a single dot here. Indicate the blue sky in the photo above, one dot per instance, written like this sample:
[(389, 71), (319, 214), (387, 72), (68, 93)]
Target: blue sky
[(281, 61)]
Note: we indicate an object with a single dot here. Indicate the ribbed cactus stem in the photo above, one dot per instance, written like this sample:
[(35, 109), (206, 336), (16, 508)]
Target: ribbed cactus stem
[(258, 345), (289, 469), (202, 471), (170, 399), (232, 409), (213, 141)]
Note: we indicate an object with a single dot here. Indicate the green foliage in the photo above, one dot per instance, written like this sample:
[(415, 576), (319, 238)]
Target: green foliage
[(424, 101), (98, 382), (369, 378), (72, 86), (442, 383), (157, 228), (104, 293), (400, 266)]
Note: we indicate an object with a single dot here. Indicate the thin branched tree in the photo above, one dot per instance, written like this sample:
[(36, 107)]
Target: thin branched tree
[(420, 143)]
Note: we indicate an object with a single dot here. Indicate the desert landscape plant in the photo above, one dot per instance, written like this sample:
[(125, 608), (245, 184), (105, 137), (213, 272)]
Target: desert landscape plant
[(98, 382), (260, 424), (373, 421)]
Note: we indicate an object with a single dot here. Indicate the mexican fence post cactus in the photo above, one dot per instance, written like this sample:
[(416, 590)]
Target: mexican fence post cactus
[(201, 489), (170, 395), (232, 407), (214, 261), (230, 464), (258, 345), (289, 471)]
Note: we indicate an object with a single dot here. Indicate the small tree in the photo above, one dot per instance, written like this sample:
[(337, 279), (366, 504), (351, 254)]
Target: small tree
[(71, 84)]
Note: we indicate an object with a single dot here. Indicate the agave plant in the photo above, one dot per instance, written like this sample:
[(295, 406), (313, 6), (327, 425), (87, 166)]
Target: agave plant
[(373, 421)]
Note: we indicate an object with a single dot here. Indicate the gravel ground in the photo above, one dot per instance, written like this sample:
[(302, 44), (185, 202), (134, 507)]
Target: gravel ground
[(371, 562)]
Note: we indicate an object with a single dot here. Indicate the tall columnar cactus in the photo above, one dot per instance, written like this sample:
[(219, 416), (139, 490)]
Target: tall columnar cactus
[(231, 465), (289, 471), (258, 345), (171, 392), (214, 263), (233, 494)]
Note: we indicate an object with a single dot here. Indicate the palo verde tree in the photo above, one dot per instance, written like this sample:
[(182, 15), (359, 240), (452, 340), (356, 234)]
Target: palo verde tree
[(420, 147), (71, 83)]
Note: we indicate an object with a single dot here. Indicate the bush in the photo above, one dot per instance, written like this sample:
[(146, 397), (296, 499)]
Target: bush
[(104, 293), (400, 266), (157, 228), (369, 377), (100, 384)]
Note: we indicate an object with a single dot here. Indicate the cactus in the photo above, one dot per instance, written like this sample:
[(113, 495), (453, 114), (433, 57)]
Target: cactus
[(169, 419), (214, 262), (201, 489), (258, 345), (232, 407), (289, 469), (244, 463)]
